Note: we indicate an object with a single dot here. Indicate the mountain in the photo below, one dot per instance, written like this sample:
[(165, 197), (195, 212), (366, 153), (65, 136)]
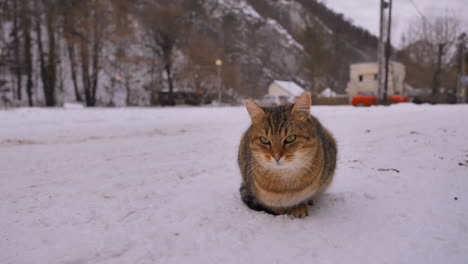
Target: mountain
[(266, 38), (123, 52)]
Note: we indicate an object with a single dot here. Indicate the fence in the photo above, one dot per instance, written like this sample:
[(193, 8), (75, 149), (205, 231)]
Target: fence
[(330, 100)]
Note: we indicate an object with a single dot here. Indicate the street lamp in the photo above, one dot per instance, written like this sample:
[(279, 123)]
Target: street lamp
[(219, 63)]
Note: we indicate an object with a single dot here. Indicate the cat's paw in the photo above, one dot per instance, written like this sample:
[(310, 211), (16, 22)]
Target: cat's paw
[(298, 211)]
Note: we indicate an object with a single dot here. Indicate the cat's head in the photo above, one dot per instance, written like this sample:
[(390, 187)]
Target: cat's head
[(282, 137)]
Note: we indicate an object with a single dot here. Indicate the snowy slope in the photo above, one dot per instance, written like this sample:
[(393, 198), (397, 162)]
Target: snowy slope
[(161, 186), (244, 9)]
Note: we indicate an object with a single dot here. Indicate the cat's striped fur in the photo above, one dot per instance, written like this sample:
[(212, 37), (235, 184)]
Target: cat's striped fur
[(281, 177)]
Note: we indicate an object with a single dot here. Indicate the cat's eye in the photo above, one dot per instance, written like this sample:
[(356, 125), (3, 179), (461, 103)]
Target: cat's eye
[(290, 139), (264, 140)]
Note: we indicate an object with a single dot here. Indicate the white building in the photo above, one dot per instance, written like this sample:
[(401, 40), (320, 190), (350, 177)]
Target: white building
[(285, 88), (327, 92), (363, 77)]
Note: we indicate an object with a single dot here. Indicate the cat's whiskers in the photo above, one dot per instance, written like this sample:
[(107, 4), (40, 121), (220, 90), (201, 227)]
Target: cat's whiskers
[(256, 164), (258, 159)]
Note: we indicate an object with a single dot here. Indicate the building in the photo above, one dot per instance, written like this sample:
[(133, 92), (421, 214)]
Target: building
[(363, 77), (285, 88)]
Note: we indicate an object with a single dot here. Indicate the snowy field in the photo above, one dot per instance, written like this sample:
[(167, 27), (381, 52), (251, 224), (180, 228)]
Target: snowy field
[(139, 185)]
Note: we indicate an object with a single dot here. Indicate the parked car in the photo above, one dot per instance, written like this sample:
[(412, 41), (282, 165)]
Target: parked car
[(275, 100), (182, 97), (370, 98)]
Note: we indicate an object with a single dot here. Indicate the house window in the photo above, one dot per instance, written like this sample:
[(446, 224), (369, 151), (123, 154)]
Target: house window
[(360, 78)]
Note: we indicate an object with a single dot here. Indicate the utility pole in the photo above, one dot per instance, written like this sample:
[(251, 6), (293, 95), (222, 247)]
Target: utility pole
[(380, 53), (388, 47)]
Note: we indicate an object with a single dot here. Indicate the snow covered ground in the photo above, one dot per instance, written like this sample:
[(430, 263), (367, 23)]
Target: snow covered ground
[(138, 185)]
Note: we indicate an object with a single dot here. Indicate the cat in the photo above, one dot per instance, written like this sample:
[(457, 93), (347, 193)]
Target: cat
[(286, 158)]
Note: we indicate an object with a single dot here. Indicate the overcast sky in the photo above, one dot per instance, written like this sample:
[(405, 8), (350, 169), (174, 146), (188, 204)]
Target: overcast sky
[(365, 13)]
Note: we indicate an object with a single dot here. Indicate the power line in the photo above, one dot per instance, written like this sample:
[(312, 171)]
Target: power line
[(417, 9)]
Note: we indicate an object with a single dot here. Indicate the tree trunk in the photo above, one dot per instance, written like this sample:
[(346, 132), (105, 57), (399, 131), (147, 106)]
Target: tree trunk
[(436, 74), (28, 56), (69, 17), (153, 91), (96, 53), (85, 73), (128, 99), (16, 50), (71, 55), (40, 49), (168, 69), (48, 67), (51, 67), (90, 68), (111, 93)]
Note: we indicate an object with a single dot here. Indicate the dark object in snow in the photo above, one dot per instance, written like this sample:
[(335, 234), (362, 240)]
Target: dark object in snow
[(462, 164), (451, 97), (417, 100), (183, 97), (395, 170), (455, 198), (368, 130)]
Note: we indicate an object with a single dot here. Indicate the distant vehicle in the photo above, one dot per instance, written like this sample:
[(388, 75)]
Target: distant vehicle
[(370, 98), (275, 100), (179, 97)]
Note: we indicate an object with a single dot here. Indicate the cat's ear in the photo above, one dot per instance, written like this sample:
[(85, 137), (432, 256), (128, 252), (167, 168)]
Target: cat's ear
[(256, 112), (302, 106)]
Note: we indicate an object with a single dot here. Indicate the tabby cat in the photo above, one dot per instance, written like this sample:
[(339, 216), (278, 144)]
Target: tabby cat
[(286, 158)]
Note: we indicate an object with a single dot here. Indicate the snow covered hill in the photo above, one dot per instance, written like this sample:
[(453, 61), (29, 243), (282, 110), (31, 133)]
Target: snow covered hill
[(141, 185)]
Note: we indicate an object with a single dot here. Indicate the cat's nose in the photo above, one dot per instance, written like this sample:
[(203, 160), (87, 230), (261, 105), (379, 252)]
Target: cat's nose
[(277, 156)]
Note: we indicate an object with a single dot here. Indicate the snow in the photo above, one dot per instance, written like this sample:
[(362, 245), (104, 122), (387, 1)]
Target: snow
[(241, 6), (73, 105), (247, 11), (280, 29), (290, 87), (140, 185)]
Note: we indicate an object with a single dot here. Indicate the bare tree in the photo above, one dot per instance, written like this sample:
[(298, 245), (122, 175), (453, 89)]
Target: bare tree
[(26, 12), (85, 29), (432, 41), (70, 13), (90, 46), (201, 69), (317, 51), (17, 48), (165, 29), (89, 25), (202, 54), (47, 18)]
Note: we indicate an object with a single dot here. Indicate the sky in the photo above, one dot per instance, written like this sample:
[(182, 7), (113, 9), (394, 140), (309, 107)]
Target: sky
[(365, 13)]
